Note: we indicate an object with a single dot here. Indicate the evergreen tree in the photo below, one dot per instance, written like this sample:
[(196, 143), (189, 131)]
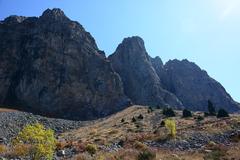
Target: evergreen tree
[(211, 109), (168, 112), (186, 113), (222, 113)]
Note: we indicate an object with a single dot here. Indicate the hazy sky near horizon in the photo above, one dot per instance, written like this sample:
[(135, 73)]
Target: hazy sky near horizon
[(204, 31)]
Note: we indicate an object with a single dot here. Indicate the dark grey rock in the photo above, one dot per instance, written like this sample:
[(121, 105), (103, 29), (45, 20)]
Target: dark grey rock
[(141, 82), (194, 87), (50, 65)]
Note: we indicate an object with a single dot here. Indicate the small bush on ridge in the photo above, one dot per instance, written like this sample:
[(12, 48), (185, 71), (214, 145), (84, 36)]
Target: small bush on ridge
[(200, 118), (211, 109), (222, 113), (140, 116), (91, 149), (168, 112), (147, 155), (134, 119), (186, 113)]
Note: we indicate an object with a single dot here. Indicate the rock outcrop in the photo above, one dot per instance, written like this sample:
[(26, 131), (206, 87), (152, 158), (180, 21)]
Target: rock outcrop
[(140, 80), (50, 65), (147, 81), (194, 87)]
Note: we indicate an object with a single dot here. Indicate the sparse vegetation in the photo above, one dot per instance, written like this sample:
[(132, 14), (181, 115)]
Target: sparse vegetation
[(140, 116), (91, 149), (139, 146), (200, 118), (21, 150), (171, 126), (217, 153), (3, 149), (222, 113), (35, 141), (134, 119), (162, 124), (186, 113), (206, 114), (168, 112), (109, 139), (150, 109), (147, 155), (211, 109)]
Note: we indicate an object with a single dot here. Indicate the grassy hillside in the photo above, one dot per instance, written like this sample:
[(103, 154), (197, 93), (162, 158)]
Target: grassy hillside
[(121, 136)]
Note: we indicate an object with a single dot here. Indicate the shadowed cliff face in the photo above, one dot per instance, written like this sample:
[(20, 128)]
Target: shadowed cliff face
[(194, 87), (147, 81), (141, 82), (51, 65)]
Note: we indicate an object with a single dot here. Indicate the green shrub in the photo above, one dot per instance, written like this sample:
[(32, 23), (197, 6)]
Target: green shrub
[(162, 124), (171, 126), (206, 114), (168, 112), (211, 109), (134, 119), (222, 113), (147, 155), (41, 141), (91, 149), (200, 118), (186, 113), (140, 116), (150, 109)]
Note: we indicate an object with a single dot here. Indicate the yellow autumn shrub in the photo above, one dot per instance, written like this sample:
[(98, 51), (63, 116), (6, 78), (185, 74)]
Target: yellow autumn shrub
[(41, 140), (3, 149), (171, 126)]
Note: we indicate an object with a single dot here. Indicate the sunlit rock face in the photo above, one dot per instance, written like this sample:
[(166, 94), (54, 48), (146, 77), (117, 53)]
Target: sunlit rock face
[(50, 65)]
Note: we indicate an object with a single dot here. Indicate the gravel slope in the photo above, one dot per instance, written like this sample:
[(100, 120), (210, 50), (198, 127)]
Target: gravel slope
[(12, 122)]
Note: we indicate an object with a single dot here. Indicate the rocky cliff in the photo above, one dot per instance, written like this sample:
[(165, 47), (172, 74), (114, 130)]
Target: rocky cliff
[(52, 66), (194, 87), (140, 80), (147, 81)]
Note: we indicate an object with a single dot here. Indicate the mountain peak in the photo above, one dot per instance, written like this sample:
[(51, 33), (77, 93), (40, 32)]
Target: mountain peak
[(132, 46), (14, 19), (54, 14), (133, 42)]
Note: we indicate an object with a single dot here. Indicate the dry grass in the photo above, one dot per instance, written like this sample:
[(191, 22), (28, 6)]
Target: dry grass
[(3, 149), (7, 110), (112, 130)]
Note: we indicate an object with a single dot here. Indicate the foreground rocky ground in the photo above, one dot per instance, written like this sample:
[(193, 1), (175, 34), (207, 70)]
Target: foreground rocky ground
[(119, 137), (11, 122)]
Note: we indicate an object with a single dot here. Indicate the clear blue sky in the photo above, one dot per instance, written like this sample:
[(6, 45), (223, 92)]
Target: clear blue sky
[(204, 31)]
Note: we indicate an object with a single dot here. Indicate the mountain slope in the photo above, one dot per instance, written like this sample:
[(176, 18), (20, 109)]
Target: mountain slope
[(147, 81), (140, 80), (50, 65), (194, 87)]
